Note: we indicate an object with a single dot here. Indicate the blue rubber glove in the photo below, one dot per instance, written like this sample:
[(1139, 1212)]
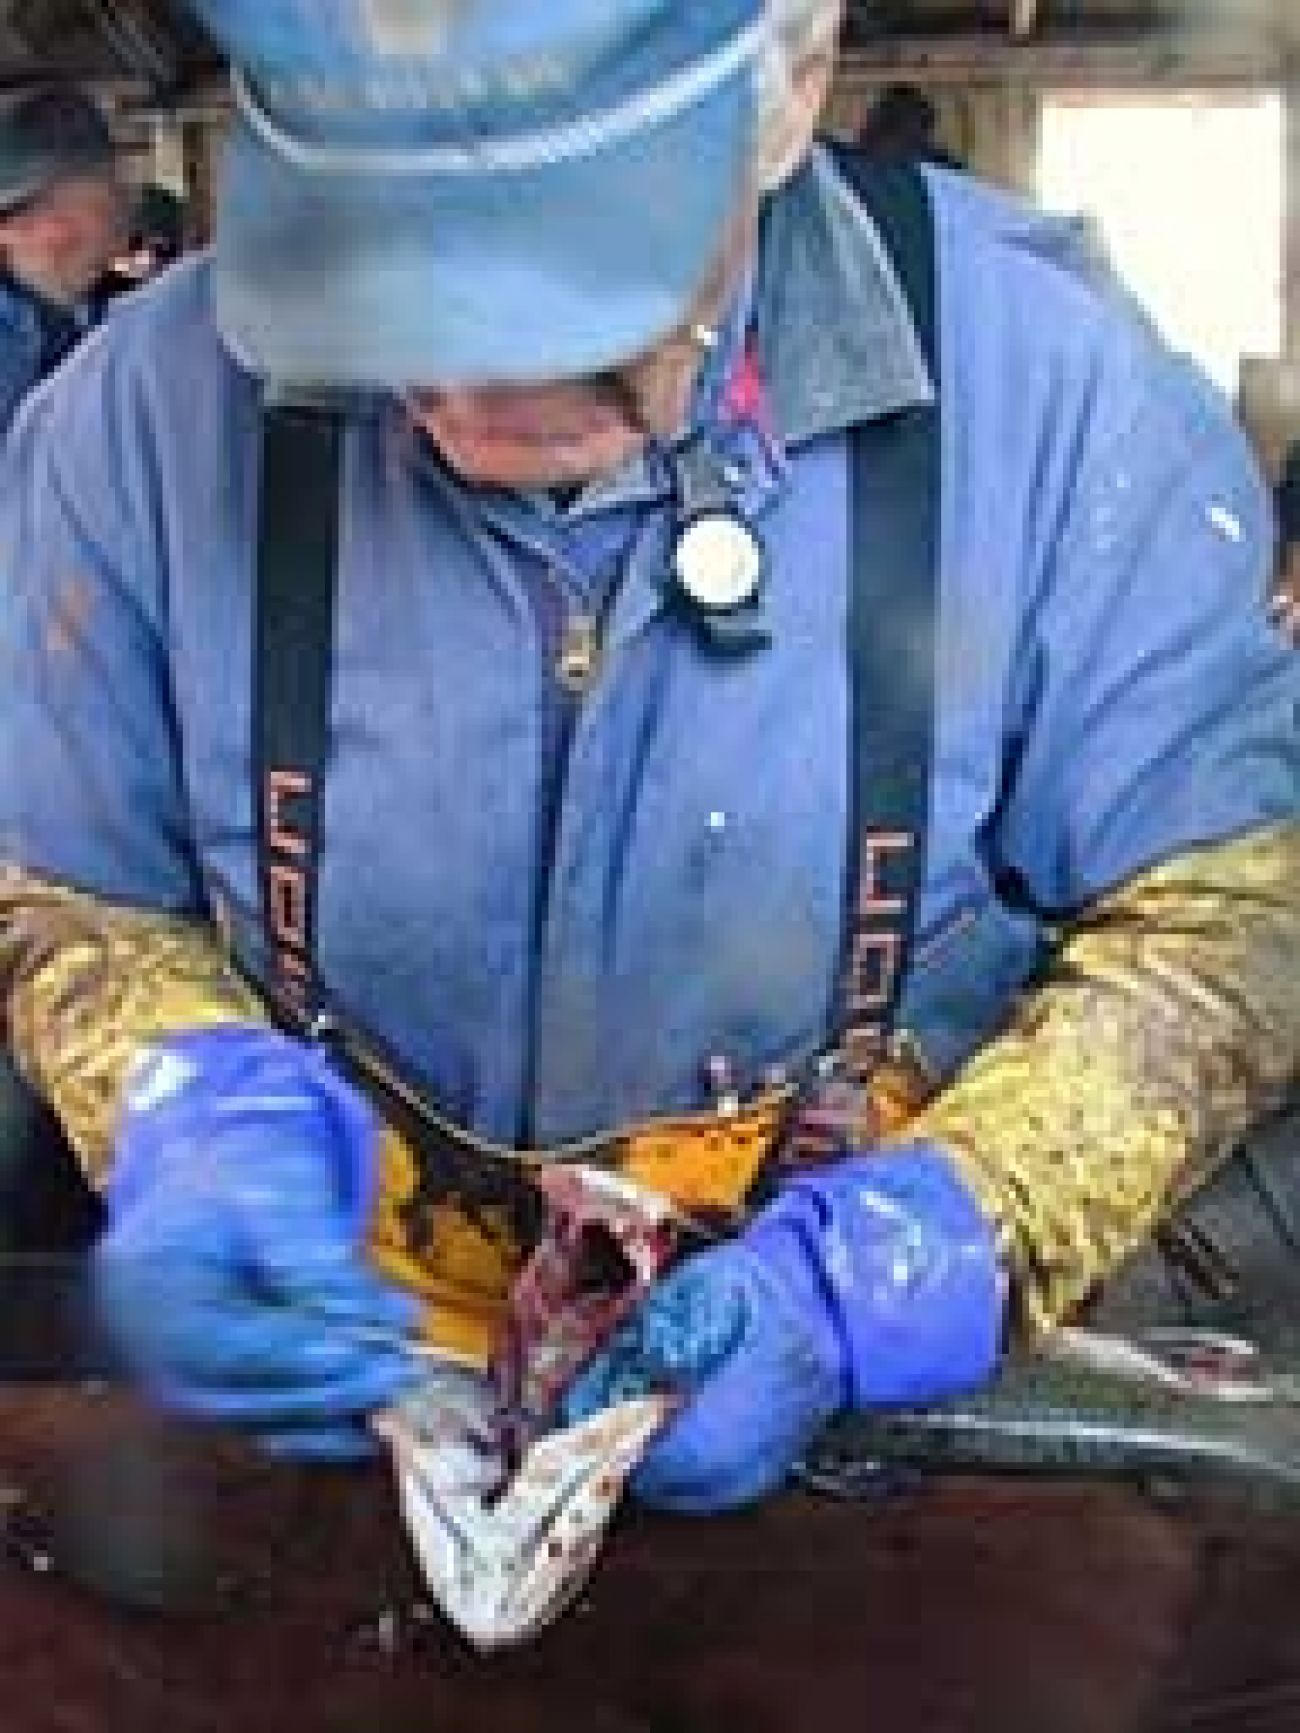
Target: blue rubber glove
[(230, 1274), (869, 1284)]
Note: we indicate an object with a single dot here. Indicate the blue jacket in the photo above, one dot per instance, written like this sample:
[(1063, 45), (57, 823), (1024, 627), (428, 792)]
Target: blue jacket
[(1110, 691), (21, 348), (34, 338)]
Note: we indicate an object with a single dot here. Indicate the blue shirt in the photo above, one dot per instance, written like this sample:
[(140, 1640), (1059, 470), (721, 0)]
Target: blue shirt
[(1110, 691)]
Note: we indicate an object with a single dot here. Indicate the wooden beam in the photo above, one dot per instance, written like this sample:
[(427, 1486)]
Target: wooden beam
[(1205, 56), (1291, 220), (1024, 18), (197, 145)]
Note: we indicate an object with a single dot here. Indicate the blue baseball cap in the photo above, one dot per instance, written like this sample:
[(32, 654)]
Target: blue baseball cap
[(424, 192)]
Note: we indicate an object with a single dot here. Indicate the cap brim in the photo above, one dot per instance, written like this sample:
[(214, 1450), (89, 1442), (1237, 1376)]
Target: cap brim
[(368, 279), (21, 189)]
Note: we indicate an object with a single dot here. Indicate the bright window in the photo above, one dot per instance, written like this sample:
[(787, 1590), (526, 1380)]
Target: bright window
[(1186, 192)]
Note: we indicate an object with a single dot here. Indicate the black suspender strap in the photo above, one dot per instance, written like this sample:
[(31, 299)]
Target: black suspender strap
[(297, 561), (293, 665), (893, 607)]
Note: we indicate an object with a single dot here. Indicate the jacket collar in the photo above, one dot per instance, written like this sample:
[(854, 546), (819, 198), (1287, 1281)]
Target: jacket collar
[(837, 342)]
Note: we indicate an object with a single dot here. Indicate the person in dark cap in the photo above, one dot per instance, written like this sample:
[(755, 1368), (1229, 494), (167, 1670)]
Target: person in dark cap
[(62, 217), (158, 229), (156, 240), (902, 125), (1285, 601)]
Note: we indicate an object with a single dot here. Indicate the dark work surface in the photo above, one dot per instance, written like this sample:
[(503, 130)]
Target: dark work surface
[(48, 1219), (268, 1598), (44, 1202), (192, 1587)]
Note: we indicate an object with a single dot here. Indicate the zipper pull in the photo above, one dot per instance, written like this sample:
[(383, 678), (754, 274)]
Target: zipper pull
[(578, 661)]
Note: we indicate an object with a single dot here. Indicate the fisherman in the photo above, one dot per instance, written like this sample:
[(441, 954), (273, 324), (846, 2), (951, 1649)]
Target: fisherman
[(62, 218), (720, 547)]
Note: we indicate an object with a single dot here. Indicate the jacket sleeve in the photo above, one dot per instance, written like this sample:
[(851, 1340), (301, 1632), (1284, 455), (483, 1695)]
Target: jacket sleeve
[(94, 790), (1149, 816), (86, 985), (105, 937), (1169, 1022)]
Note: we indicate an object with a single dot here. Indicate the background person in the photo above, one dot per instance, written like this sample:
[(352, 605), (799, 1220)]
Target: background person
[(155, 241), (62, 218), (1286, 591), (902, 125)]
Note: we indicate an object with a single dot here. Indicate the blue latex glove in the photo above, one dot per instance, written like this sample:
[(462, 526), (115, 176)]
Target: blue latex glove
[(872, 1283), (230, 1273)]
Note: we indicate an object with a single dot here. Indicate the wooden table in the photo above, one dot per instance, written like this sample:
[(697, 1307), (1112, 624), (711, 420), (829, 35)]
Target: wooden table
[(982, 1606)]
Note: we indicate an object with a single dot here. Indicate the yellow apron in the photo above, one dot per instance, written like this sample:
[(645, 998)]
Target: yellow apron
[(463, 1262)]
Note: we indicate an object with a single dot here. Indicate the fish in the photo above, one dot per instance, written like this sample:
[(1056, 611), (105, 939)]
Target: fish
[(504, 1559), (1181, 1406), (506, 1507)]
